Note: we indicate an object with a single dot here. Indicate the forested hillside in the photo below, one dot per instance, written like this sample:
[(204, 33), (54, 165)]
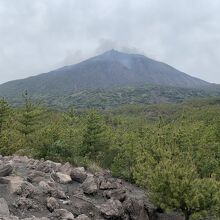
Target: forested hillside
[(172, 151), (116, 97)]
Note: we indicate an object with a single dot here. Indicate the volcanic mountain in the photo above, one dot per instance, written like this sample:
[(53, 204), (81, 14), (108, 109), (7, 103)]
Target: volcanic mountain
[(111, 69)]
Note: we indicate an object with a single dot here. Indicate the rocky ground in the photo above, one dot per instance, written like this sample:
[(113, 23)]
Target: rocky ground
[(44, 190)]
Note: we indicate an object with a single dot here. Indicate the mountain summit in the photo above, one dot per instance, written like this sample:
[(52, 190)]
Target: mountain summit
[(108, 70)]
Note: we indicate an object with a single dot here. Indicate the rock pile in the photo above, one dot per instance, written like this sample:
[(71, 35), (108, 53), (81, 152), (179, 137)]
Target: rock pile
[(44, 190)]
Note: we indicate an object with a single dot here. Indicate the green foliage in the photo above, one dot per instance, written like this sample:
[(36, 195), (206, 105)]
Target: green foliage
[(125, 155), (96, 138), (28, 117), (116, 97), (4, 125), (175, 185), (180, 168), (170, 150), (4, 113)]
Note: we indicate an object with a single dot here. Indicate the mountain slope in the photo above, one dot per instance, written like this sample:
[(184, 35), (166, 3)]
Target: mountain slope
[(108, 70), (113, 97)]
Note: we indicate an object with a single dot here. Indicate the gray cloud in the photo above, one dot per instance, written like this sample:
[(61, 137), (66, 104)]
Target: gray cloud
[(37, 36)]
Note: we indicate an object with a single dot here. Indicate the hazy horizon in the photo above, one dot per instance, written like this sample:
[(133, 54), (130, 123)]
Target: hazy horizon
[(39, 36)]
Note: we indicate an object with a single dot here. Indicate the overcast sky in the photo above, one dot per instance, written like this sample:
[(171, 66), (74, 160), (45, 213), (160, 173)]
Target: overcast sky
[(40, 35)]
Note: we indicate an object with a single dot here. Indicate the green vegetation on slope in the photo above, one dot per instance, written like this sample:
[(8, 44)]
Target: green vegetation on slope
[(108, 98), (173, 151)]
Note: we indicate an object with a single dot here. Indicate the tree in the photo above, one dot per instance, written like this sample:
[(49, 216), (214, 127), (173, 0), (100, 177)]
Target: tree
[(51, 146), (4, 112), (28, 118), (95, 139), (71, 118), (125, 156), (175, 185), (6, 147), (71, 134)]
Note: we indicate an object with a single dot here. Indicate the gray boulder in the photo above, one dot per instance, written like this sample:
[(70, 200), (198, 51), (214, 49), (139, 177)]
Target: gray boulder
[(108, 183), (89, 186), (8, 217), (5, 170), (23, 203), (83, 217), (66, 168), (13, 182), (135, 209), (33, 164), (112, 209), (35, 176), (48, 166), (45, 187), (61, 178), (49, 188), (34, 218), (118, 194), (20, 159), (4, 210), (52, 204), (61, 214), (26, 189), (59, 194), (78, 174)]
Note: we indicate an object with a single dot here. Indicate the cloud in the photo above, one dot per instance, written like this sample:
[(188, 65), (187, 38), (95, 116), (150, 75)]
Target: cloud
[(107, 44), (72, 57), (38, 36)]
